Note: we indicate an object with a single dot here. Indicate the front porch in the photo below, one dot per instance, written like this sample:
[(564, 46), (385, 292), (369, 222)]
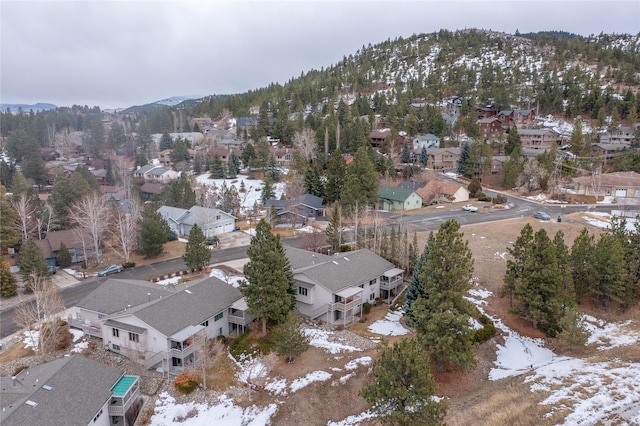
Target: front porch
[(184, 350), (347, 304), (391, 284), (238, 318)]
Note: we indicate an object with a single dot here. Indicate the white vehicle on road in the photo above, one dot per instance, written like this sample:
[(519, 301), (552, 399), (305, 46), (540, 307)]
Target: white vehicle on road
[(470, 208)]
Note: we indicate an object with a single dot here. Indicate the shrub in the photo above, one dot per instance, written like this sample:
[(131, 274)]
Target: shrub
[(366, 308), (19, 369), (127, 265), (474, 188), (486, 332), (186, 382), (483, 197), (500, 199), (344, 248)]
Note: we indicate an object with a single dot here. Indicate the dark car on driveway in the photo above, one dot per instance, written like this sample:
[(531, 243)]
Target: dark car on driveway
[(111, 269), (541, 216)]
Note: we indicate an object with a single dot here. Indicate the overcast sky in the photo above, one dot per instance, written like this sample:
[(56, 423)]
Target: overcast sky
[(122, 53)]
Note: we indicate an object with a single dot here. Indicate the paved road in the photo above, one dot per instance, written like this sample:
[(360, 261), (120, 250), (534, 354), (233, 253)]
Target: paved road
[(421, 222)]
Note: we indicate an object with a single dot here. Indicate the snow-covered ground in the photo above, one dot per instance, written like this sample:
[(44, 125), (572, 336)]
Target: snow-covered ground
[(253, 188)]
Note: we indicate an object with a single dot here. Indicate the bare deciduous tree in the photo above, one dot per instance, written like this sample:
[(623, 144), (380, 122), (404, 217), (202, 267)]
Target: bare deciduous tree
[(314, 238), (125, 227), (26, 209), (91, 214), (45, 219), (305, 141), (40, 311)]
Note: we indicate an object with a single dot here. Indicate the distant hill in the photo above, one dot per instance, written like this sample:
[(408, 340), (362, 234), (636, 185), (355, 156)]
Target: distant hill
[(26, 108), (163, 103)]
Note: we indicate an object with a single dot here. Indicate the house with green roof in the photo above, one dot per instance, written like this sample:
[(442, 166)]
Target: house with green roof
[(334, 288), (394, 198), (70, 391)]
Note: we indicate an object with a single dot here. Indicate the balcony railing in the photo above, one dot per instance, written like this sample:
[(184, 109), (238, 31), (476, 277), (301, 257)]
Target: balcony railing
[(239, 319), (392, 283), (346, 305)]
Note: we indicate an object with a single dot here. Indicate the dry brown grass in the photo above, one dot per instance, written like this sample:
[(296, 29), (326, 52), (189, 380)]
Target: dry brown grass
[(221, 371), (14, 352)]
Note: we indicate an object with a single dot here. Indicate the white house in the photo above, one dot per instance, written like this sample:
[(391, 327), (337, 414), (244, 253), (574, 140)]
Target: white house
[(165, 328), (151, 173), (73, 391), (211, 221), (425, 141), (333, 288)]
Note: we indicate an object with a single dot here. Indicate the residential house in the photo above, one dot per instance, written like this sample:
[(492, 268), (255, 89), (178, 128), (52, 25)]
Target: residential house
[(377, 137), (621, 185), (333, 288), (194, 138), (539, 138), (141, 171), (437, 191), (211, 221), (164, 157), (491, 128), (246, 123), (161, 175), (298, 211), (413, 185), (621, 135), (394, 198), (160, 328), (517, 117), (149, 189), (425, 141), (73, 241), (282, 155), (443, 158), (70, 391), (608, 151)]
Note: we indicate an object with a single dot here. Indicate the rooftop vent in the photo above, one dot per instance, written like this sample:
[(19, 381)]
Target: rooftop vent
[(47, 387), (188, 291), (335, 262), (31, 403)]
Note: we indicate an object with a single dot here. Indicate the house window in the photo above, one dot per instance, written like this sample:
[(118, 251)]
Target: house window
[(205, 324), (218, 317), (373, 281), (115, 347), (372, 296), (116, 332), (134, 337), (218, 217), (303, 291)]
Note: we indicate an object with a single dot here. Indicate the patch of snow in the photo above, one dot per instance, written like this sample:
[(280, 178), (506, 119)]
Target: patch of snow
[(390, 325), (314, 376), (353, 420), (322, 339), (232, 280), (277, 387), (354, 363)]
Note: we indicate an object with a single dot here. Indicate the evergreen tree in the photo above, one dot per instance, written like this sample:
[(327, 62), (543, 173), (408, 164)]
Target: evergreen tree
[(423, 157), (268, 192), (577, 141), (248, 155), (9, 235), (336, 176), (234, 162), (273, 171), (582, 263), (178, 193), (216, 168), (416, 288), (362, 184), (312, 182), (32, 264), (269, 285), (196, 253), (165, 142), (335, 229), (442, 319), (231, 170), (109, 177), (610, 286), (403, 389), (288, 338), (64, 256), (541, 286), (567, 293), (474, 188), (464, 163), (405, 154), (514, 144), (8, 284), (154, 232), (630, 242)]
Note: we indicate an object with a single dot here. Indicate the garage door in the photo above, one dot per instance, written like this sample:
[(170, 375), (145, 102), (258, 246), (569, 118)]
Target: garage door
[(621, 193)]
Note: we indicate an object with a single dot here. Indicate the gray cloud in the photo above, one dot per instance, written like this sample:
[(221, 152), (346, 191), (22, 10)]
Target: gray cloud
[(115, 53)]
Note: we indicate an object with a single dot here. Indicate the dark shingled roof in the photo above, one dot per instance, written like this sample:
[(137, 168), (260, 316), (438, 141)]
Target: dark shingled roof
[(115, 295), (80, 388)]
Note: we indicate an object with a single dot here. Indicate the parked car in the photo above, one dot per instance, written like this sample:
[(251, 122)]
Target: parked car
[(213, 240), (111, 269), (541, 216), (52, 269), (470, 208)]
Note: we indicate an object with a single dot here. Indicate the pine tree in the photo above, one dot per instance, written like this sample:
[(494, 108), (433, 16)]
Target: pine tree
[(196, 253), (442, 319), (154, 232), (8, 285), (273, 171), (514, 144), (336, 176), (268, 192), (362, 184), (9, 235), (423, 157), (403, 389), (64, 256), (235, 161), (32, 264), (216, 168), (312, 182), (611, 281), (231, 170), (335, 229), (405, 154), (464, 163), (109, 178), (567, 293), (541, 286), (519, 252), (582, 263), (416, 288), (288, 338), (269, 285)]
